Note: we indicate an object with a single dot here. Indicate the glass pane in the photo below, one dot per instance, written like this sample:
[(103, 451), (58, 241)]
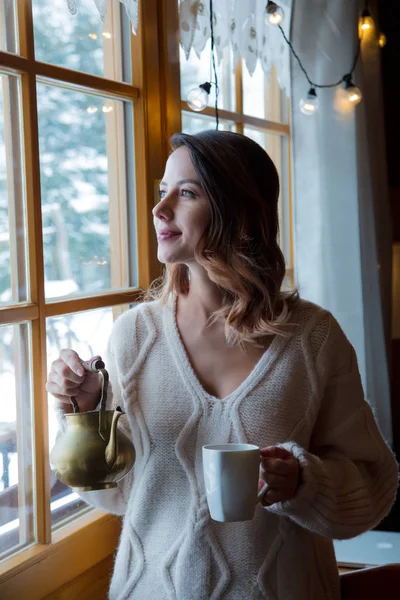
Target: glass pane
[(263, 98), (277, 148), (84, 183), (8, 26), (13, 254), (194, 123), (195, 71), (16, 511), (87, 333), (81, 41)]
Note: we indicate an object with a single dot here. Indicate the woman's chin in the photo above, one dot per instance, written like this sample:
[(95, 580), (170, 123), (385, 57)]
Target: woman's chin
[(167, 260), (173, 259)]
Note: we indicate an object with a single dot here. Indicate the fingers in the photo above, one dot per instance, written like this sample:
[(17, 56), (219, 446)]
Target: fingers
[(278, 471), (281, 480), (54, 390), (64, 380), (66, 375), (62, 375), (68, 367), (73, 361), (61, 386), (281, 471), (278, 466), (272, 496), (275, 452)]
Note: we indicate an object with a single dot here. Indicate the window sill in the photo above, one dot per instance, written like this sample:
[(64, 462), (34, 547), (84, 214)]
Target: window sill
[(41, 569), (372, 548)]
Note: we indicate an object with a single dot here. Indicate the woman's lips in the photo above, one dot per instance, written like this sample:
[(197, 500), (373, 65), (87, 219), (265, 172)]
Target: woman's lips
[(164, 236)]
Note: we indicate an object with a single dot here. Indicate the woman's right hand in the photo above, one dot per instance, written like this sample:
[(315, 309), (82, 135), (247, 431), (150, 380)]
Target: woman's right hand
[(68, 378)]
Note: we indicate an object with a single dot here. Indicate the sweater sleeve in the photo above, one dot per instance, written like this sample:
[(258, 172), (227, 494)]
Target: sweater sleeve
[(349, 476), (113, 500)]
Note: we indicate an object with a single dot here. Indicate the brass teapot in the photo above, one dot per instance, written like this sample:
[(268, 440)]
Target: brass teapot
[(92, 453)]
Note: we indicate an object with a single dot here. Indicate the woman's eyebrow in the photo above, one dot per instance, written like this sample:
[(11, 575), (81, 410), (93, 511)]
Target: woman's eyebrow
[(182, 181)]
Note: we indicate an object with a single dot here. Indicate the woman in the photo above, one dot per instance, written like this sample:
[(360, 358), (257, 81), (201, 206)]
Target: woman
[(222, 355)]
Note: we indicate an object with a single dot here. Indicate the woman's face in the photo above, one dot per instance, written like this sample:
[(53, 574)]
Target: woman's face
[(183, 212)]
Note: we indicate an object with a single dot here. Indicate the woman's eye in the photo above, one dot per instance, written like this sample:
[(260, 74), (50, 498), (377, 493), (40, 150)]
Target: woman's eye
[(161, 193), (188, 193)]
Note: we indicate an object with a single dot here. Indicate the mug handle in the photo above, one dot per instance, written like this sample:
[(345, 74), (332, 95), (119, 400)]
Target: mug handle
[(262, 492)]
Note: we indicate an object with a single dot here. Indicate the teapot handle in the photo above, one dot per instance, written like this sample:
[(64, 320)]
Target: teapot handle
[(97, 366)]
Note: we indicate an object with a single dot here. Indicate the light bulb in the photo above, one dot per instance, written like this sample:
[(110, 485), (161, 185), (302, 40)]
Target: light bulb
[(367, 21), (354, 94), (310, 104), (273, 14), (382, 40), (197, 98)]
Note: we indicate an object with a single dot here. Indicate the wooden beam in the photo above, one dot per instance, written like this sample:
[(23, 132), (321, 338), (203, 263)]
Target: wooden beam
[(68, 78), (72, 305), (84, 82), (41, 470), (228, 115), (18, 313)]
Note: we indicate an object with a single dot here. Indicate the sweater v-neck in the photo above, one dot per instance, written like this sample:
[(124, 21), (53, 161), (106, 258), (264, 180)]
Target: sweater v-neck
[(188, 373)]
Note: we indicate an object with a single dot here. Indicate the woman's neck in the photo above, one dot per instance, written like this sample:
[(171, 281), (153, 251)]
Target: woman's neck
[(204, 296)]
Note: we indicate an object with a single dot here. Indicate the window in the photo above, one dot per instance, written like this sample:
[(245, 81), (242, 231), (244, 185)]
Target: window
[(76, 241), (252, 106)]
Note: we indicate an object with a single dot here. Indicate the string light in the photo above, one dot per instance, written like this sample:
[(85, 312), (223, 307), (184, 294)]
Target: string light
[(197, 98), (310, 104), (367, 21), (354, 94), (274, 15), (382, 40)]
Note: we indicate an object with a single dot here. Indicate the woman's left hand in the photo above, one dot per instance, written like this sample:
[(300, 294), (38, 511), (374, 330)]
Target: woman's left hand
[(281, 471)]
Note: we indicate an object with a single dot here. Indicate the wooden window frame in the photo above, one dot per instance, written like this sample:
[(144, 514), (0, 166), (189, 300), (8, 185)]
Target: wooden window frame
[(91, 537)]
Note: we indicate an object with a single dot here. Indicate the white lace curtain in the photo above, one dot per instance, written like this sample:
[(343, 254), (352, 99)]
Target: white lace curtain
[(242, 25), (131, 6), (238, 23)]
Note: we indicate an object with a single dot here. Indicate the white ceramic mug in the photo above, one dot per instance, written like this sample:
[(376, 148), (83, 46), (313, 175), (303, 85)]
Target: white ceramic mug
[(231, 475)]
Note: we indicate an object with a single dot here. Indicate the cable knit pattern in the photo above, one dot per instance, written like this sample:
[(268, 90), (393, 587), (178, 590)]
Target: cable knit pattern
[(304, 394)]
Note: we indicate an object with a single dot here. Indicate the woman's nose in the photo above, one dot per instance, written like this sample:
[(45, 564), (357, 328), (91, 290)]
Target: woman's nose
[(163, 210)]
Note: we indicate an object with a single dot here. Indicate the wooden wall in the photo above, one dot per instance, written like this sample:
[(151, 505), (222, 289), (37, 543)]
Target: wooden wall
[(90, 585)]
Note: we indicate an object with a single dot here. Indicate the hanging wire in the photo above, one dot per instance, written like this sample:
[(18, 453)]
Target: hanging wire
[(213, 64), (312, 83)]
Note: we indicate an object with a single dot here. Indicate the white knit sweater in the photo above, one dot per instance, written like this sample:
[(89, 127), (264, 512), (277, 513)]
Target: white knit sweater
[(304, 394)]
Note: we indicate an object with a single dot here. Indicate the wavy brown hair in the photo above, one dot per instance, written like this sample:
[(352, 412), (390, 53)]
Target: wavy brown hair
[(239, 249)]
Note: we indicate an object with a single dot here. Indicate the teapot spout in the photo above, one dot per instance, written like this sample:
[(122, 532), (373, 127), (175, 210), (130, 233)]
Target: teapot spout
[(111, 448)]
